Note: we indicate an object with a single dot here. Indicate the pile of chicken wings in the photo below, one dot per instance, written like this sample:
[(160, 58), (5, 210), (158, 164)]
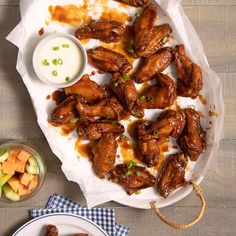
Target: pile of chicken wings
[(98, 109)]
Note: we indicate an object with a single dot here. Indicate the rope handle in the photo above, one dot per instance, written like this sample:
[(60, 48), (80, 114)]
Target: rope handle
[(188, 225)]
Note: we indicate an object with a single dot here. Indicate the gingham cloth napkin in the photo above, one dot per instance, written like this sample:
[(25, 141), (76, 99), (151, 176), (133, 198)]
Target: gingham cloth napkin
[(104, 217)]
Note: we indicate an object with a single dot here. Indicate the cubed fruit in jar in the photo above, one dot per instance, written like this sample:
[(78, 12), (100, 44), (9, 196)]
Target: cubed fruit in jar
[(13, 154), (24, 156), (23, 190), (9, 193), (8, 167), (20, 166), (25, 178), (33, 183), (14, 183)]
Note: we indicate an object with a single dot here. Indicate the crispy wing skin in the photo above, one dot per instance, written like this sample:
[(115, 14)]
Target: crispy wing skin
[(104, 154), (189, 74), (132, 179), (147, 145), (51, 230), (126, 93), (193, 140), (153, 65), (64, 111), (169, 123), (108, 60), (108, 32), (108, 108), (171, 176), (87, 89), (161, 95), (94, 130), (135, 3), (154, 41)]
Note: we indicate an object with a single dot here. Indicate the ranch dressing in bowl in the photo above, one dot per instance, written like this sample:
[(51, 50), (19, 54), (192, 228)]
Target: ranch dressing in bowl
[(59, 60)]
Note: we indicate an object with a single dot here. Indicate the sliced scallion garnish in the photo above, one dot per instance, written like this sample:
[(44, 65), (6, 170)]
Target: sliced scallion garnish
[(142, 97), (60, 61), (55, 62), (65, 45), (45, 62), (74, 120), (128, 173), (125, 77), (131, 163), (138, 173), (56, 48), (67, 78), (54, 72)]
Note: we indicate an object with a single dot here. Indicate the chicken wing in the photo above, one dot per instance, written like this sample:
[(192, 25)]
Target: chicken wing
[(108, 108), (161, 95), (94, 130), (154, 64), (189, 74), (110, 31), (172, 175), (51, 230), (88, 90), (108, 60), (169, 123), (147, 145), (104, 154), (64, 112), (193, 140), (135, 3), (125, 90), (132, 179)]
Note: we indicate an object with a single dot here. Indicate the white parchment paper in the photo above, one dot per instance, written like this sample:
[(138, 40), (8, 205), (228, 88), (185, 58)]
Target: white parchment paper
[(25, 36)]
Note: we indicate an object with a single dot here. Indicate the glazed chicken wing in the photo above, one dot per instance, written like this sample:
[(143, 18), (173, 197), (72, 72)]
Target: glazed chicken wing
[(110, 31), (64, 112), (51, 230), (149, 38), (94, 130), (189, 74), (104, 154), (147, 145), (135, 3), (108, 108), (172, 175), (132, 179), (127, 94), (193, 141), (108, 60), (154, 64), (87, 89), (160, 95), (169, 123)]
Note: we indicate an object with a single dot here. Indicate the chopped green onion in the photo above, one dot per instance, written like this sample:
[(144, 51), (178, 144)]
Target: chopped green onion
[(128, 173), (45, 62), (130, 50), (137, 15), (125, 77), (74, 120), (54, 72), (131, 163), (65, 45), (55, 62), (165, 40), (60, 61), (148, 98), (55, 48), (136, 115), (138, 173), (114, 122), (115, 84), (155, 132), (142, 97), (122, 137), (138, 192), (67, 78)]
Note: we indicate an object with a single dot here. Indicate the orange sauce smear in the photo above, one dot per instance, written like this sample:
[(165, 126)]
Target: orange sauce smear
[(213, 113), (84, 41), (67, 128), (109, 14), (202, 99), (84, 149)]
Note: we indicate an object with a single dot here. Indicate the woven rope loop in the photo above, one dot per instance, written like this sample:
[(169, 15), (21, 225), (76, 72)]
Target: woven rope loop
[(187, 225)]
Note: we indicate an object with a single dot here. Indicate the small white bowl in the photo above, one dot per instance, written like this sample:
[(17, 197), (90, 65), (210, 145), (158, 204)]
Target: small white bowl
[(36, 64)]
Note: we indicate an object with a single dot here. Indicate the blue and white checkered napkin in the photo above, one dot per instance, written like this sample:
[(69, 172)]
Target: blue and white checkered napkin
[(104, 217)]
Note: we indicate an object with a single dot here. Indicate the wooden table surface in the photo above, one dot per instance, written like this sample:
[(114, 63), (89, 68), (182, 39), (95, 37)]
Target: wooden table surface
[(215, 21)]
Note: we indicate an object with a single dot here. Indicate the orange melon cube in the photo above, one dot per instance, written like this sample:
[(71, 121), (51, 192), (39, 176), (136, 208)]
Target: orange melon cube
[(14, 183), (24, 156), (8, 167), (33, 183), (25, 178), (23, 190), (19, 166), (13, 155)]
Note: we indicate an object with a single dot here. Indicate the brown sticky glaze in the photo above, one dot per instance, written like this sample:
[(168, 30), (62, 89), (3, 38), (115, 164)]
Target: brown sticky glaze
[(65, 129), (58, 96), (131, 128), (85, 149), (212, 113), (41, 31), (48, 97), (109, 14), (202, 99), (93, 73)]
